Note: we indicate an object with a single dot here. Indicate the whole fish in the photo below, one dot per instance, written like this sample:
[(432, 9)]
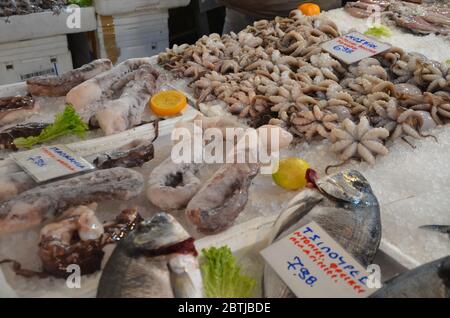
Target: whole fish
[(157, 259), (431, 280), (345, 207)]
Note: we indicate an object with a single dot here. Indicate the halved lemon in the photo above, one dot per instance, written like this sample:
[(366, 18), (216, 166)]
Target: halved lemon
[(309, 9), (291, 173), (168, 103)]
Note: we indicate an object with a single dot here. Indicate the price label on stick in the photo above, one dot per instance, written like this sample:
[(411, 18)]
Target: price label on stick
[(312, 264), (51, 162), (354, 46)]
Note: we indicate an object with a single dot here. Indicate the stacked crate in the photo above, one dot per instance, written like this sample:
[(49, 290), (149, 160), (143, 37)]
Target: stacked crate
[(128, 29)]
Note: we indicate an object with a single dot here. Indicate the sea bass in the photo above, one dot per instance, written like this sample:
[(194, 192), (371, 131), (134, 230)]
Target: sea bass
[(431, 280), (157, 259), (345, 207)]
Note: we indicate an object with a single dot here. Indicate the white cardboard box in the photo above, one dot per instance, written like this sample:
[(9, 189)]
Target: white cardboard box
[(24, 59)]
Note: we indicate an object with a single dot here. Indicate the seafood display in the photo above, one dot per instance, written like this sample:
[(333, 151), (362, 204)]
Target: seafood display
[(47, 202), (157, 259), (218, 203), (134, 154), (276, 72), (346, 207), (61, 85), (16, 108), (8, 135), (430, 280), (422, 18), (272, 79)]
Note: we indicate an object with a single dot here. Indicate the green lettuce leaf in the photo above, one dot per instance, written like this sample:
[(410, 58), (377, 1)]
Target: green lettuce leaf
[(67, 122), (81, 3), (378, 31), (448, 62), (222, 277)]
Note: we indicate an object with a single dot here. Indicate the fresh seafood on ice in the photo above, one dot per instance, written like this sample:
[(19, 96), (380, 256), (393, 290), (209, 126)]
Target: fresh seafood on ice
[(218, 203), (125, 112), (171, 186), (87, 97), (8, 135), (133, 154), (16, 108), (431, 280), (62, 84), (15, 183), (78, 237), (345, 207), (157, 259), (46, 202)]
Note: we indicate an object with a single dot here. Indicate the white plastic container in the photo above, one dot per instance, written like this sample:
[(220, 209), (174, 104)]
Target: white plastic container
[(113, 7), (25, 59), (44, 24), (139, 34)]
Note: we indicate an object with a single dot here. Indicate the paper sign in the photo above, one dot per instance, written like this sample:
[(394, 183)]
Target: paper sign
[(353, 47), (51, 162), (312, 264)]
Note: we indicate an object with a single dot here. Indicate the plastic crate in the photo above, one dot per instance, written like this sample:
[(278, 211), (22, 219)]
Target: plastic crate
[(112, 7)]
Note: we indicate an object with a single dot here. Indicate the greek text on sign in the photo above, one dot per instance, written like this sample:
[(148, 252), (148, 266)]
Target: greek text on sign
[(51, 162), (312, 264), (353, 47)]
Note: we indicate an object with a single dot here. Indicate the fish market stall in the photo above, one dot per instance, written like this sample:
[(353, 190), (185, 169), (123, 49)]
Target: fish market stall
[(372, 138)]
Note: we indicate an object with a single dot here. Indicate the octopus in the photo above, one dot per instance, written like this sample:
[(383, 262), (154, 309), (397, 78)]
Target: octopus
[(360, 141), (78, 237), (438, 107), (397, 120), (62, 84), (16, 108), (48, 201), (311, 123)]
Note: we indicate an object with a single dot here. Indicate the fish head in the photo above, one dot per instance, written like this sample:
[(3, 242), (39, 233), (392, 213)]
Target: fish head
[(349, 186), (157, 234)]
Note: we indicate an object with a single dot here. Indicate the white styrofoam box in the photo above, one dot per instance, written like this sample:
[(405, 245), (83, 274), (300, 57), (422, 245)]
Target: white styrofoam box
[(112, 7), (133, 35), (149, 49), (24, 59), (43, 24)]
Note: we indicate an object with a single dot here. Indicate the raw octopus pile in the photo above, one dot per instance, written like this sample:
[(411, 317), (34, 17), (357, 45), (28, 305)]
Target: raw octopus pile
[(276, 72), (418, 16), (22, 7)]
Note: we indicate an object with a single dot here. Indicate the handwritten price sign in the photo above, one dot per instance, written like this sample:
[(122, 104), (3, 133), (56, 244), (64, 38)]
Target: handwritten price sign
[(51, 162), (353, 47), (312, 264)]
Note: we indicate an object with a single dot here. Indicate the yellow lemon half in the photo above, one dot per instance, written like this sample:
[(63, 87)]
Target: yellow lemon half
[(291, 173)]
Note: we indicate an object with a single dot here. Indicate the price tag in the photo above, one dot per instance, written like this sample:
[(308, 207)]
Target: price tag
[(354, 46), (51, 162), (312, 264)]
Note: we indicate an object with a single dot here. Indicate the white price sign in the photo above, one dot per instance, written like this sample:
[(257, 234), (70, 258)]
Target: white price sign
[(51, 162), (312, 264), (354, 46)]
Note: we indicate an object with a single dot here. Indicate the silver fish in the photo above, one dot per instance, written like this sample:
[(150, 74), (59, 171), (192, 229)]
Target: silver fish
[(157, 259), (431, 280), (345, 207)]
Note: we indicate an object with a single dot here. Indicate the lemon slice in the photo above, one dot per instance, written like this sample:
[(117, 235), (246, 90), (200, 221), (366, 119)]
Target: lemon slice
[(291, 173), (168, 103)]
